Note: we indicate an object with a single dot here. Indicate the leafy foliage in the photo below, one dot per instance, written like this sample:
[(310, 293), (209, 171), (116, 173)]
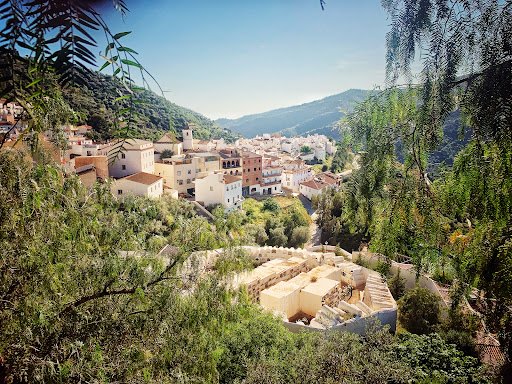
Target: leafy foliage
[(153, 116), (305, 149), (279, 221), (419, 311)]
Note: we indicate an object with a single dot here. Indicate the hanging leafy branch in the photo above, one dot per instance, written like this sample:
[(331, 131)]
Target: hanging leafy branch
[(50, 42)]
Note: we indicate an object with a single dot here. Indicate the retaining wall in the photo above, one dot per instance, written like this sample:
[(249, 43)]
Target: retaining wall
[(357, 325), (409, 275)]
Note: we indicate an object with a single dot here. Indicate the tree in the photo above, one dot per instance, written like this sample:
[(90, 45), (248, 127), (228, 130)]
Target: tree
[(419, 311), (305, 149), (300, 236), (466, 55), (271, 205), (435, 361), (397, 285), (56, 37), (277, 237), (166, 154)]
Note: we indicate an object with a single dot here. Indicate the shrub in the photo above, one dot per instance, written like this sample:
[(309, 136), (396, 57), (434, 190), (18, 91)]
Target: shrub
[(277, 237), (166, 153), (397, 285), (383, 267), (300, 236), (419, 311), (271, 205)]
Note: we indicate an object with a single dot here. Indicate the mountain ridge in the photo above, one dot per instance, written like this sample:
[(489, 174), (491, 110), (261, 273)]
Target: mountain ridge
[(319, 116)]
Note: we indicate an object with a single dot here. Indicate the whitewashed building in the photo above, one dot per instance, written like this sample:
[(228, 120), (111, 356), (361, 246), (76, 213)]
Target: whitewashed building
[(218, 188), (319, 183), (169, 142), (136, 156), (138, 184)]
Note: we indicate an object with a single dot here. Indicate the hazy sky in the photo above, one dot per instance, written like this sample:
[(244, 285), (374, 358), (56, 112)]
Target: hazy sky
[(232, 58)]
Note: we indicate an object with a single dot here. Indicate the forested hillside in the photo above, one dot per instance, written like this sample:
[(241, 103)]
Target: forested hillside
[(155, 115), (321, 116)]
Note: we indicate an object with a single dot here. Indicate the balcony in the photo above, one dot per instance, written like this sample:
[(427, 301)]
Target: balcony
[(265, 183)]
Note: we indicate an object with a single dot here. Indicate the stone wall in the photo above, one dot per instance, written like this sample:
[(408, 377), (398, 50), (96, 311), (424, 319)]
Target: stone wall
[(409, 275), (356, 325)]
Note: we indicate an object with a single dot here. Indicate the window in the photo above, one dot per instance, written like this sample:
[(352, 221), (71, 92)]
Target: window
[(211, 188), (179, 173), (255, 169), (119, 191), (189, 172), (228, 200), (123, 167), (180, 182), (246, 180), (123, 156), (188, 181), (227, 188), (257, 179)]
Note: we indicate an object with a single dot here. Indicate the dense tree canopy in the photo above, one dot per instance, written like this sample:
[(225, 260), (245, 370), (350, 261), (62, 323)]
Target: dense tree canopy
[(464, 216)]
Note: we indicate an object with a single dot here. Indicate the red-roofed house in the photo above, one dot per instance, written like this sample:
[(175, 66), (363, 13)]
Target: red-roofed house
[(139, 184), (319, 183)]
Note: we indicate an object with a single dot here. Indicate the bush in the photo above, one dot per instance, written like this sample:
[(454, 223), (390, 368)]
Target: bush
[(166, 153), (277, 237), (257, 232), (462, 340), (442, 276), (383, 267), (419, 311), (396, 285), (271, 205), (325, 168), (300, 236)]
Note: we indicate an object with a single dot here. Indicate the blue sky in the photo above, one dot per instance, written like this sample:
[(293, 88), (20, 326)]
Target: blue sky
[(232, 58)]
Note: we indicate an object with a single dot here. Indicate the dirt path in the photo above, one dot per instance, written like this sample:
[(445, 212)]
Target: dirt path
[(314, 232)]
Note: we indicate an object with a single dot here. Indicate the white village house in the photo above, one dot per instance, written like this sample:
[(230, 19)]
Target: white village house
[(217, 188), (138, 184)]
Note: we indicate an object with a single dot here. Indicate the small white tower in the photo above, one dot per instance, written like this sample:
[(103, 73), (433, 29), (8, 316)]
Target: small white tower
[(188, 141)]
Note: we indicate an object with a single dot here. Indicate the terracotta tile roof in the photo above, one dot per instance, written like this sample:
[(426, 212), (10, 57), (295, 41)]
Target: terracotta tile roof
[(489, 348), (328, 177), (315, 184), (228, 179), (143, 178), (250, 154)]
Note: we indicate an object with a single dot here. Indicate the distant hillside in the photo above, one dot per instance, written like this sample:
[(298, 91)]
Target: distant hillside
[(319, 116), (95, 104)]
